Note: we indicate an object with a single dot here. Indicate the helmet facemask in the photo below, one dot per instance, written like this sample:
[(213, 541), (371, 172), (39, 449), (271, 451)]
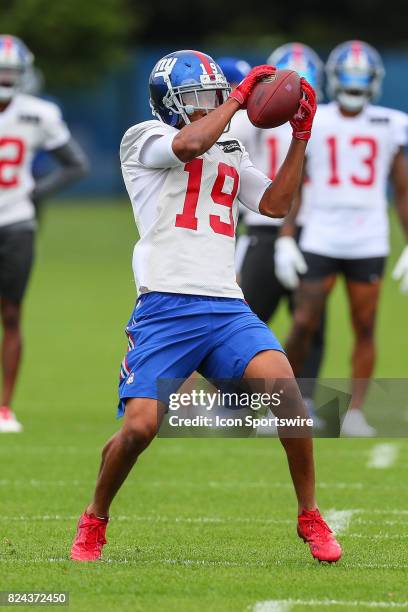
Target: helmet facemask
[(355, 88), (185, 100), (352, 100), (356, 80), (10, 82)]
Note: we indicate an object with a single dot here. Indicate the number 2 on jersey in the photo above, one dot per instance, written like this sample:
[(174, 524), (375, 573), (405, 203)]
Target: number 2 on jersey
[(12, 161), (369, 161), (187, 219)]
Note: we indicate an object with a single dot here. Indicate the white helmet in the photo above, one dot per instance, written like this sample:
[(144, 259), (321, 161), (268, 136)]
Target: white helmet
[(15, 61), (354, 74)]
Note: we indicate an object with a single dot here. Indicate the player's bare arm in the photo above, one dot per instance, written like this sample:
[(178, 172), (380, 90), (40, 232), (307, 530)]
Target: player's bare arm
[(399, 176), (72, 165), (285, 191), (277, 199), (289, 225), (288, 258), (197, 137)]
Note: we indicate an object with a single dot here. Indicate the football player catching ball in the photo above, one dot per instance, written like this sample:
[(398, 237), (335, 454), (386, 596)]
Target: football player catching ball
[(184, 178)]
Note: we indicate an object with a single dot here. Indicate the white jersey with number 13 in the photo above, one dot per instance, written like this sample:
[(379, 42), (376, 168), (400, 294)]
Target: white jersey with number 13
[(349, 161)]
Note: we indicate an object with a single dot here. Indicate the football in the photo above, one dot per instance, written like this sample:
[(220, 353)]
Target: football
[(275, 99)]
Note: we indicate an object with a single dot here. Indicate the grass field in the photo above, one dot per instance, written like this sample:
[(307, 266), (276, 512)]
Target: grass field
[(201, 524)]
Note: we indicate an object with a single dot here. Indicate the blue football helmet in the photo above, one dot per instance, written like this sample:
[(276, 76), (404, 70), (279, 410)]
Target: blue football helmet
[(302, 59), (234, 69), (355, 72), (184, 82), (15, 62)]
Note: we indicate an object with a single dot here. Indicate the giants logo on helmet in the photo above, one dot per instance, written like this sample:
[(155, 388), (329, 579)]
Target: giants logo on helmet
[(165, 66)]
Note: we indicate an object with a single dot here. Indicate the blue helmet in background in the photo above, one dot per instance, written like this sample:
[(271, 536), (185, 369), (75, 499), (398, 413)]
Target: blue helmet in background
[(355, 72), (234, 69), (184, 82), (301, 58)]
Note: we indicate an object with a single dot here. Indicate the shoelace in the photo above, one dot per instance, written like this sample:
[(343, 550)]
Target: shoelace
[(93, 534), (317, 526)]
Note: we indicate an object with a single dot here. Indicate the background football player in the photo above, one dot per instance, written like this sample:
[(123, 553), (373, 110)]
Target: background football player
[(262, 254), (183, 178), (27, 124), (355, 147), (234, 68)]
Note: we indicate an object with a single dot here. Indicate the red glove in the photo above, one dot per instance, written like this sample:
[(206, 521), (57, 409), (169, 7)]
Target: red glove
[(303, 120), (243, 91)]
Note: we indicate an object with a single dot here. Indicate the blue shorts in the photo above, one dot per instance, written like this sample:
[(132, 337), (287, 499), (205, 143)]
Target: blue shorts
[(171, 335)]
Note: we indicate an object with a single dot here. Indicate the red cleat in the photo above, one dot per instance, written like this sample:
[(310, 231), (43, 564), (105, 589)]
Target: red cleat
[(90, 538), (315, 531)]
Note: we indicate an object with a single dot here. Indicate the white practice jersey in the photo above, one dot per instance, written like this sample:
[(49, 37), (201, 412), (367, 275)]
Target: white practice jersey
[(27, 125), (186, 214), (349, 161), (267, 150)]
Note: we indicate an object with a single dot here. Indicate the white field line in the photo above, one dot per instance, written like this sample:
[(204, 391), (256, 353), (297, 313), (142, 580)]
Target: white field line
[(336, 517), (383, 456), (202, 563), (33, 482), (379, 536), (285, 605), (154, 519), (360, 521), (339, 520), (273, 605), (332, 515), (282, 485), (42, 449), (164, 450)]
